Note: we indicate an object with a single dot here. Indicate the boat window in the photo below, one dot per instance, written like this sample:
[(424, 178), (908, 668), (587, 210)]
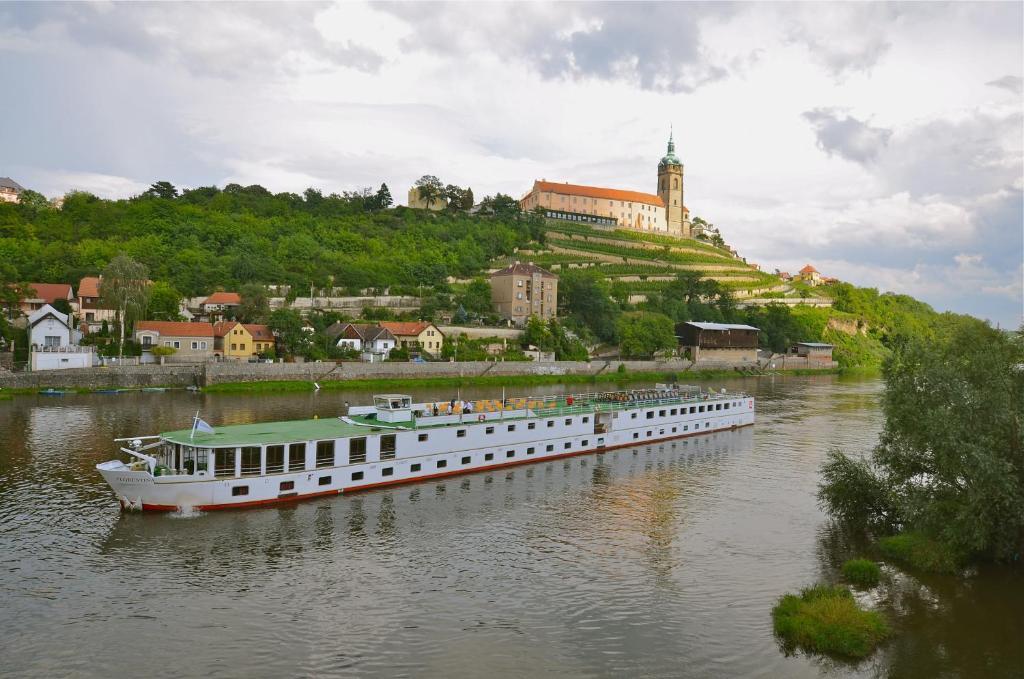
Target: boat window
[(674, 411), (661, 413), (531, 425), (250, 461), (415, 467), (510, 453), (387, 447), (387, 471), (466, 459), (530, 451), (650, 414), (511, 427), (584, 442), (550, 447), (324, 454), (296, 457), (686, 427), (586, 419), (551, 423), (461, 433), (488, 457), (240, 490), (568, 421), (726, 406), (194, 459), (326, 480), (700, 409), (632, 416), (693, 409), (718, 406), (568, 445), (422, 437), (636, 435), (441, 464), (275, 459), (225, 462), (357, 450), (287, 485)]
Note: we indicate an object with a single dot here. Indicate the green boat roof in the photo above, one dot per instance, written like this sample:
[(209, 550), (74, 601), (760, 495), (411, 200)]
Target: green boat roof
[(270, 433)]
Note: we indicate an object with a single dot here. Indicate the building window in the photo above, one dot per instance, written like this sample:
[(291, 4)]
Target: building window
[(324, 454), (488, 457), (387, 471), (441, 464), (195, 345), (177, 345), (357, 450), (387, 447), (415, 467), (287, 485), (240, 490), (422, 437), (466, 459), (296, 457), (461, 433), (275, 459)]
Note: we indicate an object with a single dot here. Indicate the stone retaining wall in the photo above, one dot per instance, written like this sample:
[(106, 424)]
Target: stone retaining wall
[(125, 376)]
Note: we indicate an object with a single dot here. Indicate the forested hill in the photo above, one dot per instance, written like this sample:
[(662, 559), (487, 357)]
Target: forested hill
[(209, 238)]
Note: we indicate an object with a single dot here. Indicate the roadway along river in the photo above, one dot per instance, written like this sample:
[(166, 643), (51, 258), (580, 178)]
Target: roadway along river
[(656, 561)]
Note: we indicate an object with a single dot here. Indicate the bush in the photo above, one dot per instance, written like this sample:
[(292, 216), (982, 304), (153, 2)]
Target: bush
[(824, 619), (921, 552), (862, 572)]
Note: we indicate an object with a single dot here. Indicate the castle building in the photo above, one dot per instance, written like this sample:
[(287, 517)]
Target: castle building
[(663, 212)]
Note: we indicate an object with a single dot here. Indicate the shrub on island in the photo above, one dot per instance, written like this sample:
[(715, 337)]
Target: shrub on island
[(826, 619), (861, 572), (920, 552)]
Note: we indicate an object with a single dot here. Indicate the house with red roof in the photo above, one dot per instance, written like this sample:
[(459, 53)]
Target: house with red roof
[(416, 335), (241, 341), (220, 303), (91, 312), (810, 275), (192, 342), (39, 295)]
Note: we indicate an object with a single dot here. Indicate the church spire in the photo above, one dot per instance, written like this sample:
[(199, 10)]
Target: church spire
[(670, 157)]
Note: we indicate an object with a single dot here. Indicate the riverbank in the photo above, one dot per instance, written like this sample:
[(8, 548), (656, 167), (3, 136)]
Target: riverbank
[(260, 377)]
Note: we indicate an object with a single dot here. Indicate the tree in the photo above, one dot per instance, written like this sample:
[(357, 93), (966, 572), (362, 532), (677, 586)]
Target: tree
[(467, 198), (33, 200), (164, 302), (477, 298), (538, 334), (162, 352), (125, 288), (383, 198), (950, 459), (288, 326), (430, 189), (161, 189), (642, 334), (255, 304), (585, 295)]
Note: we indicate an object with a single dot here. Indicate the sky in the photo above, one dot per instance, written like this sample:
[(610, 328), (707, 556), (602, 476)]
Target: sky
[(881, 143)]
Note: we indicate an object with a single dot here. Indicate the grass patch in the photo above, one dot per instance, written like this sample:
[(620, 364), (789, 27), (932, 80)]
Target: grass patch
[(862, 572), (921, 552), (824, 619)]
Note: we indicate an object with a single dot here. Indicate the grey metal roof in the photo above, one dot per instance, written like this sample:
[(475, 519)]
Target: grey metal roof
[(720, 326), (820, 345), (8, 183)]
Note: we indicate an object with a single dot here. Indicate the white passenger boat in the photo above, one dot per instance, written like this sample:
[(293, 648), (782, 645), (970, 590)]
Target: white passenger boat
[(398, 441)]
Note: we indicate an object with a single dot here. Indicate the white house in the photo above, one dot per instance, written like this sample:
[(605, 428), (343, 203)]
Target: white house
[(372, 341), (54, 343)]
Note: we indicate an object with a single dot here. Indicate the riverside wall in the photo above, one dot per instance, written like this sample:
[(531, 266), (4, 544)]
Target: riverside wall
[(179, 375)]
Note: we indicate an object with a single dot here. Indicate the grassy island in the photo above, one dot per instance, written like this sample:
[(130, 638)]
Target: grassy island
[(826, 619), (861, 572)]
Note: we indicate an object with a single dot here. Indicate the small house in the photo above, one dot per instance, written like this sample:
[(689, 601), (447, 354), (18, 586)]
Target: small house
[(416, 335), (813, 351), (39, 295), (372, 341), (728, 342), (238, 341), (54, 343), (190, 341)]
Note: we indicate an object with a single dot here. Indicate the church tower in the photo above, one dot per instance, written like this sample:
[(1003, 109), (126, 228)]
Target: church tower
[(670, 190)]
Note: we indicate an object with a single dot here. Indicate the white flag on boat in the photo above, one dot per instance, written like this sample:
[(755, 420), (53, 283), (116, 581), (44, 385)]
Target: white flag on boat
[(198, 424)]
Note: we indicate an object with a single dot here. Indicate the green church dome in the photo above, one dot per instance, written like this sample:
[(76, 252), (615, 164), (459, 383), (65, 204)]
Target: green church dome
[(670, 157)]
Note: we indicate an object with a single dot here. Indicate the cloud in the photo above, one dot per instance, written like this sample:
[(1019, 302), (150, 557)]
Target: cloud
[(846, 136), (1012, 83), (845, 38)]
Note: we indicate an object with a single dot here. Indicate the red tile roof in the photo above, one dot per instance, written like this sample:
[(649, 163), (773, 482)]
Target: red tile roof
[(808, 269), (405, 328), (223, 298), (50, 292), (598, 192), (176, 328), (222, 328), (259, 332), (89, 287)]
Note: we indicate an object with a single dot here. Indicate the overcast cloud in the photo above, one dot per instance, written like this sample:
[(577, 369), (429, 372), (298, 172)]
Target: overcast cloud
[(880, 142)]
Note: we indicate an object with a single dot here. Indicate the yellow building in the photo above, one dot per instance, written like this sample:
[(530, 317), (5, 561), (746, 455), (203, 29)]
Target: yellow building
[(416, 335), (663, 212), (417, 202), (233, 340), (523, 290)]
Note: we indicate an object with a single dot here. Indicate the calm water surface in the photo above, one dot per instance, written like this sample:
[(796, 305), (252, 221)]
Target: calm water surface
[(660, 560)]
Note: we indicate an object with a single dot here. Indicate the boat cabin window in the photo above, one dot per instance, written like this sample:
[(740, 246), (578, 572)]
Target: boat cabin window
[(194, 459), (324, 454), (275, 459), (224, 464), (531, 425), (441, 464), (296, 457), (357, 450), (250, 460), (460, 433), (240, 490), (422, 437), (387, 447)]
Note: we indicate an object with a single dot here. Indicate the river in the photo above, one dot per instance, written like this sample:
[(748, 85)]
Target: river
[(661, 560)]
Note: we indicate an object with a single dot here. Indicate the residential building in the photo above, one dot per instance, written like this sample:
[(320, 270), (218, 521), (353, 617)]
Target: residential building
[(810, 276), (416, 335), (41, 294), (221, 303), (416, 202), (191, 341), (10, 190), (372, 341), (91, 312), (54, 343), (237, 341), (813, 351), (663, 212), (718, 341), (523, 290)]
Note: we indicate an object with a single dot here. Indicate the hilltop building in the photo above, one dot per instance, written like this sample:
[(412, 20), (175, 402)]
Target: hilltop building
[(416, 202), (523, 290), (663, 212), (10, 190)]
